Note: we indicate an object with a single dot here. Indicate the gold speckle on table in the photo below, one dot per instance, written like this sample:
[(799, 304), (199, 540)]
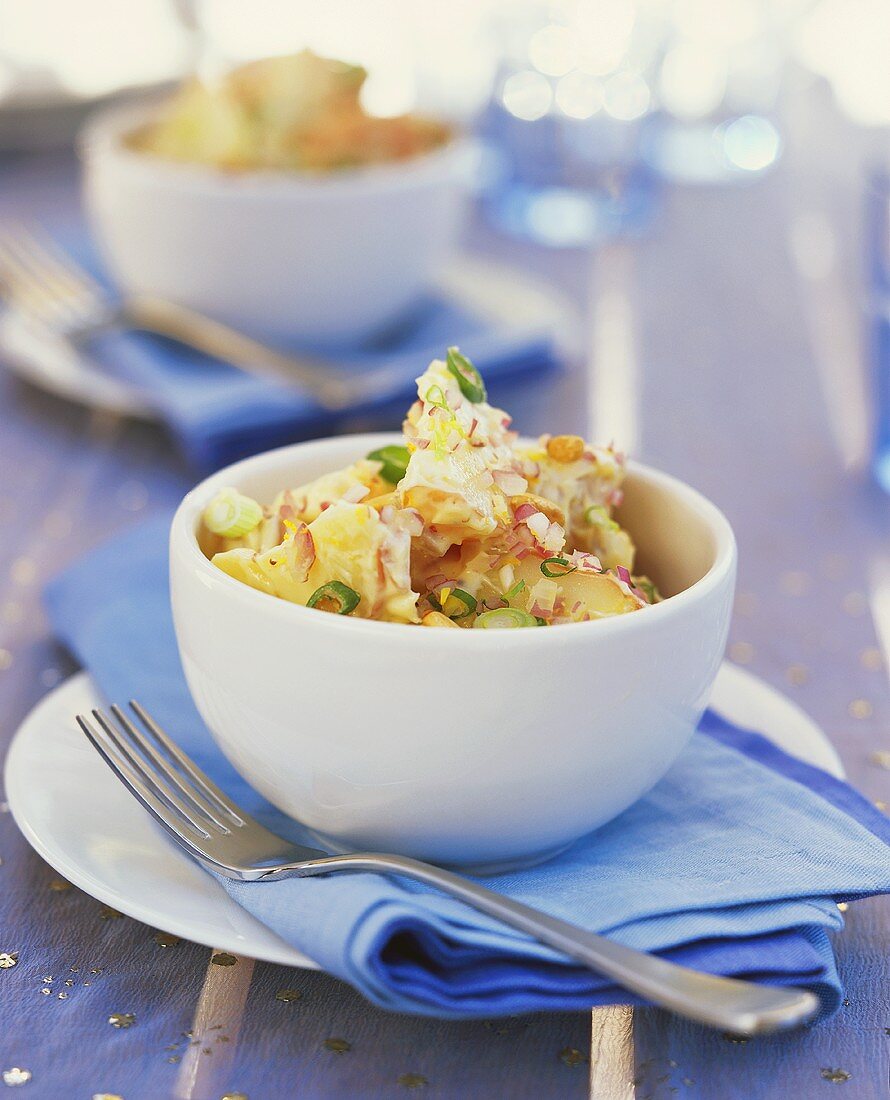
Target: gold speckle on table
[(570, 1056), (288, 995), (106, 1096), (23, 571), (165, 939), (855, 603), (103, 425), (47, 978), (57, 525), (412, 1080), (741, 652), (95, 969), (834, 566), (884, 807), (872, 659), (49, 677), (46, 991), (745, 604), (837, 1076), (5, 659), (797, 674), (16, 1076), (794, 583), (860, 708), (132, 496), (109, 913), (59, 884), (122, 1019), (8, 959), (223, 958), (337, 1046), (63, 996), (843, 906), (12, 612), (234, 1096), (881, 758)]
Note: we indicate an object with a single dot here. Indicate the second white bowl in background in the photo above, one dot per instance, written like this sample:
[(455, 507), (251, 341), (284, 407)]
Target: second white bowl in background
[(282, 256)]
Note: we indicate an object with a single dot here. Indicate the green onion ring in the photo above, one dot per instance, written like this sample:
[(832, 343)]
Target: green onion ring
[(597, 516), (394, 461), (231, 514), (513, 591), (564, 570), (347, 598), (468, 378), (435, 395), (504, 617), (469, 603)]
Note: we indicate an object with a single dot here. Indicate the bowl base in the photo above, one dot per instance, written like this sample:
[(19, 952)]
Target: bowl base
[(505, 866), (480, 870)]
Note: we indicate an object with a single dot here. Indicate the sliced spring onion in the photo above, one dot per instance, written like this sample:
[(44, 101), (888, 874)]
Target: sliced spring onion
[(468, 378), (458, 604), (540, 621), (394, 460), (513, 591), (557, 567), (504, 617), (436, 396), (646, 587), (231, 514), (344, 598), (597, 516)]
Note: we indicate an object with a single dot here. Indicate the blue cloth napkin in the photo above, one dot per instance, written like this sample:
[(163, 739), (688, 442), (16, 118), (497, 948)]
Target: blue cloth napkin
[(732, 864), (218, 413)]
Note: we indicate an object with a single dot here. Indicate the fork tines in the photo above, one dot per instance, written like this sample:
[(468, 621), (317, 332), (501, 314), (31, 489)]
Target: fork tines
[(164, 780), (40, 279)]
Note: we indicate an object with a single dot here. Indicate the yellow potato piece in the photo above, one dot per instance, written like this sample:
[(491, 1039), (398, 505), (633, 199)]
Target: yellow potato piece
[(352, 545), (598, 595)]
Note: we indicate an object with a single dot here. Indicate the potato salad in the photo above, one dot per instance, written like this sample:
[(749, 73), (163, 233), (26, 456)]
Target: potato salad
[(460, 526), (298, 112)]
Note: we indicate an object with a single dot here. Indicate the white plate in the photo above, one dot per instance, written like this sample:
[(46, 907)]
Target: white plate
[(494, 292), (81, 819)]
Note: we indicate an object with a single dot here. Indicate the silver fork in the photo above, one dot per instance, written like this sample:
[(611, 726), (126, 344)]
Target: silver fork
[(220, 835), (41, 281)]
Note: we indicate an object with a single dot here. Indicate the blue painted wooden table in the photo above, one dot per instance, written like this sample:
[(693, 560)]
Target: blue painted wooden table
[(723, 348)]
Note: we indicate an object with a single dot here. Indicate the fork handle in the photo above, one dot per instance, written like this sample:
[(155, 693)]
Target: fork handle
[(741, 1007), (213, 338)]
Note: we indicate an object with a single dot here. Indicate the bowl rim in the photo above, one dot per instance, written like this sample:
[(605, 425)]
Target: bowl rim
[(183, 538), (102, 135)]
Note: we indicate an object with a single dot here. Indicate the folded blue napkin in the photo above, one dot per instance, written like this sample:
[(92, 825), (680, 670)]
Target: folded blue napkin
[(218, 413), (732, 864)]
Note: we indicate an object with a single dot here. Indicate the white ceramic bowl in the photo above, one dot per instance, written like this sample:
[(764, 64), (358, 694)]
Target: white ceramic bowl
[(279, 255), (469, 747)]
